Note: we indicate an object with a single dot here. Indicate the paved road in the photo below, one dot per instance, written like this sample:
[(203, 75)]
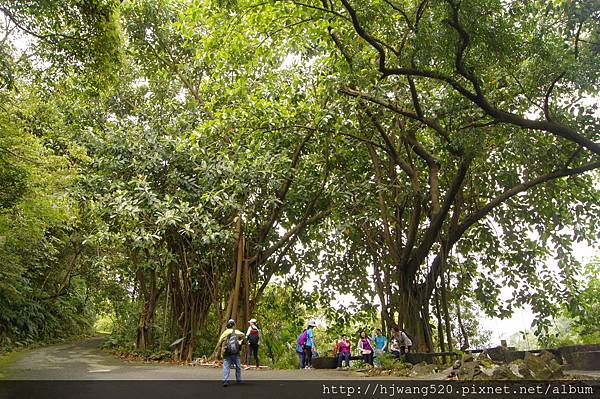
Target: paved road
[(85, 360)]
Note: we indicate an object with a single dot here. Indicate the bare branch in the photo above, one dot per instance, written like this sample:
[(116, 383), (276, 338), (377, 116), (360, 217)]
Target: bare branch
[(340, 46), (390, 149), (431, 233), (479, 214), (548, 94), (477, 98)]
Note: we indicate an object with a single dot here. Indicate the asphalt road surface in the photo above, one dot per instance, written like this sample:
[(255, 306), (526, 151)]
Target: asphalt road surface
[(85, 360)]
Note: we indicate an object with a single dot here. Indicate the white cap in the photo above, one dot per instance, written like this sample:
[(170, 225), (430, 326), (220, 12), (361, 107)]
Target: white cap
[(252, 321)]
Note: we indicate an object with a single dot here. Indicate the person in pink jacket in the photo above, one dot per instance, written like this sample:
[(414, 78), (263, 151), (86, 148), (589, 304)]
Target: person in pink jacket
[(366, 348), (343, 351)]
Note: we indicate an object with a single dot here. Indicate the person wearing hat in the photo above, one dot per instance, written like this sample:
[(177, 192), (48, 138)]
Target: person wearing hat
[(309, 345), (253, 337), (230, 343)]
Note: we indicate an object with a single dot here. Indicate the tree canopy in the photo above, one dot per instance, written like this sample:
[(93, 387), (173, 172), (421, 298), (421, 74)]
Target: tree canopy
[(165, 162)]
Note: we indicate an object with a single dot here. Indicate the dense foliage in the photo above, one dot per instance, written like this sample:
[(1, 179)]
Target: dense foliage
[(162, 163)]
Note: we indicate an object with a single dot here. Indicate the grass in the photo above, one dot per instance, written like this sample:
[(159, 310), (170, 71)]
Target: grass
[(8, 359)]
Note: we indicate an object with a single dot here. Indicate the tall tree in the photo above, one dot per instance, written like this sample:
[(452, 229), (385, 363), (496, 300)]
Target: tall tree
[(458, 124)]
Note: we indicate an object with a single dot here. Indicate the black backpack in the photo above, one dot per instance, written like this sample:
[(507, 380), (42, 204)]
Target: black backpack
[(232, 345), (253, 337)]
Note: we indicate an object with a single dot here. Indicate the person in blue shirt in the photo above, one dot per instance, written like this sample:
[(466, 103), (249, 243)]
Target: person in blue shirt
[(380, 344), (300, 350), (309, 345)]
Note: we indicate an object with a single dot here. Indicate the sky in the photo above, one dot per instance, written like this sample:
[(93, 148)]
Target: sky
[(522, 318)]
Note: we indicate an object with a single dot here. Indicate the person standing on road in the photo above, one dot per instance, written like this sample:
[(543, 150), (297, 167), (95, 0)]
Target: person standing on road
[(309, 345), (253, 337), (300, 348), (230, 343)]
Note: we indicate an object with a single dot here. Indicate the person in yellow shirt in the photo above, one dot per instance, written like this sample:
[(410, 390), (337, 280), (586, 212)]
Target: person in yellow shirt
[(230, 342)]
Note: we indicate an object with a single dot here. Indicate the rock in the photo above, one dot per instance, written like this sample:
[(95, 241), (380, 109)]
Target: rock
[(514, 368), (488, 372), (484, 356), (546, 356), (452, 376), (540, 367), (504, 372), (404, 373), (511, 356), (423, 368), (484, 360), (497, 354), (467, 357), (468, 371)]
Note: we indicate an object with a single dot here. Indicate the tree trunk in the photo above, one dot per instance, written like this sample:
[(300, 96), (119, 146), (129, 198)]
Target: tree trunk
[(463, 331), (440, 329), (191, 280), (410, 316), (446, 311), (425, 317), (149, 294)]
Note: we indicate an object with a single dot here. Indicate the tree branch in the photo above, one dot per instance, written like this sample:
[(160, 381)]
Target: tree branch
[(479, 214), (390, 149), (282, 193), (548, 94), (477, 98), (382, 205), (431, 233), (433, 124)]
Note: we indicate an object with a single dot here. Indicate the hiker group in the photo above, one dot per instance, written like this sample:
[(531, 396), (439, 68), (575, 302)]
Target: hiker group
[(371, 348), (230, 343)]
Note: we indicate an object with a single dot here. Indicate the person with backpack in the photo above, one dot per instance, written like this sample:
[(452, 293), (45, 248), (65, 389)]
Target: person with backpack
[(230, 342), (306, 343), (300, 348), (366, 348), (253, 337)]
